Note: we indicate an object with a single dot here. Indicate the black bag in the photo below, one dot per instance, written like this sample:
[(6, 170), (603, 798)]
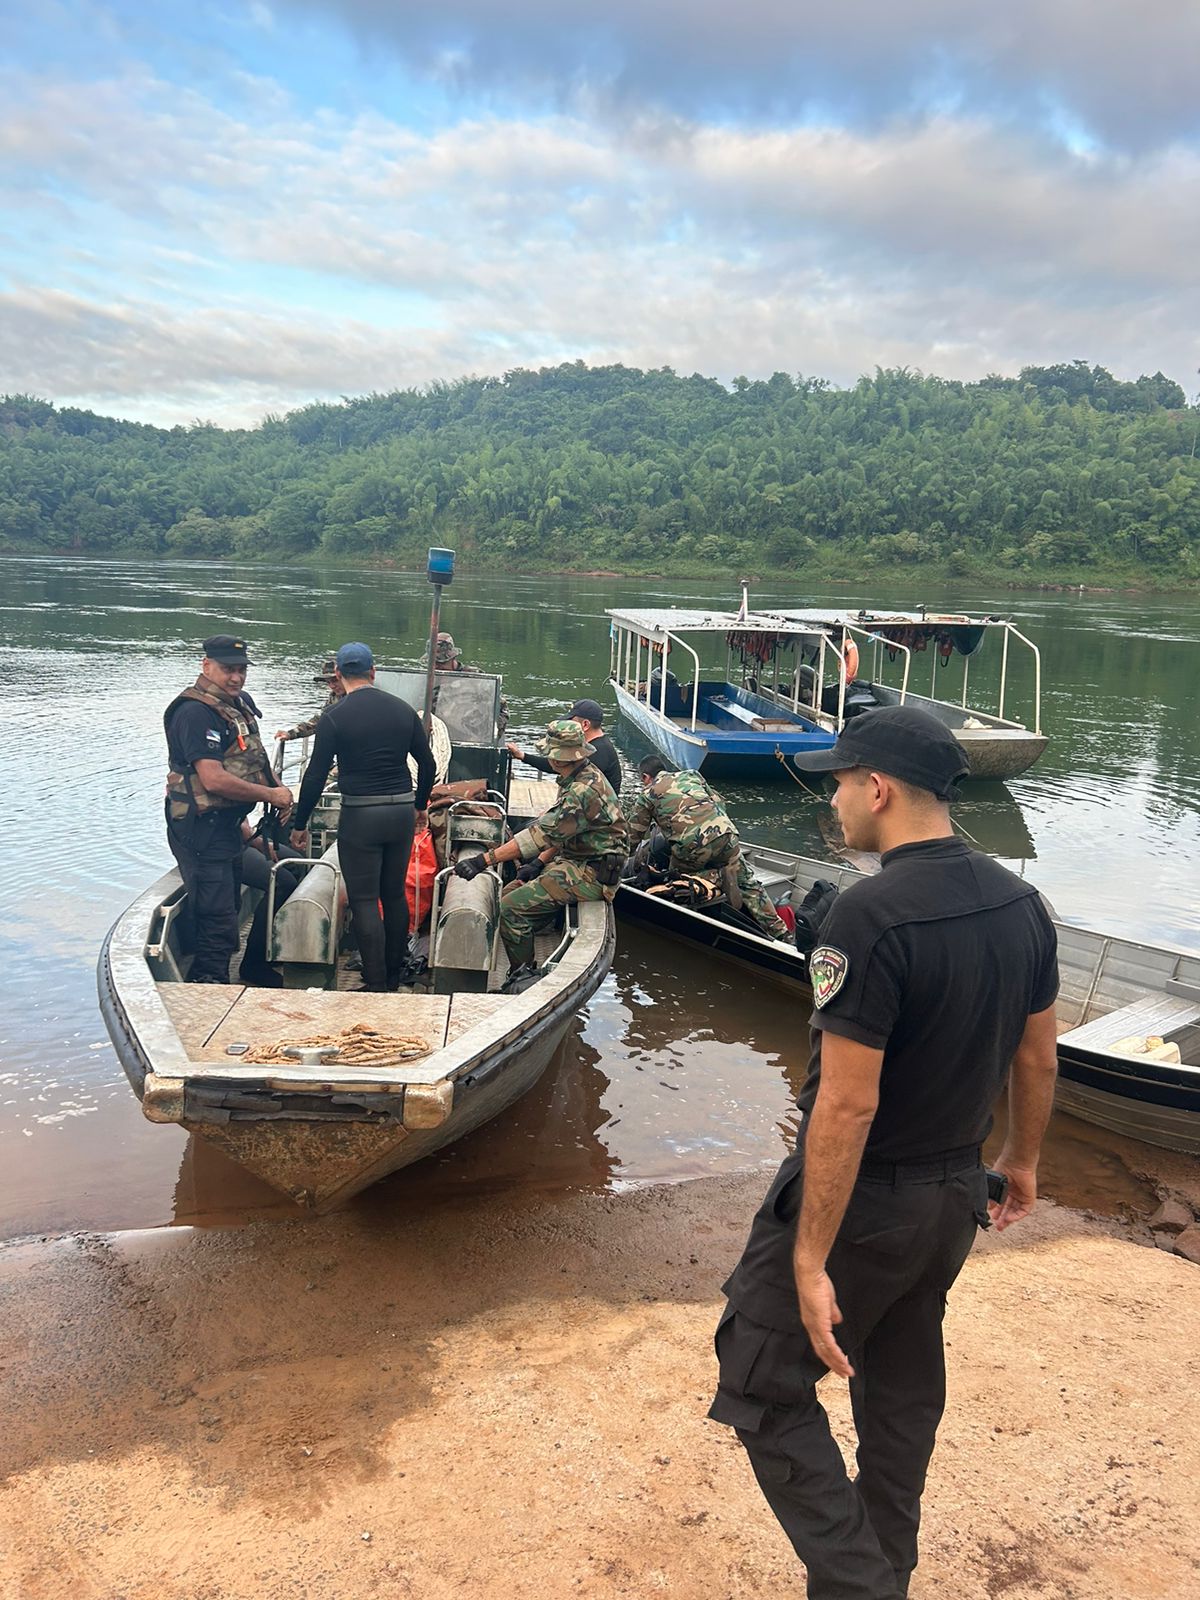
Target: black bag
[(811, 914)]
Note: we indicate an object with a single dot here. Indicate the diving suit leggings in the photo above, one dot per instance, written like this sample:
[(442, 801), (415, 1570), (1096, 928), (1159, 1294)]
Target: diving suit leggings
[(374, 844)]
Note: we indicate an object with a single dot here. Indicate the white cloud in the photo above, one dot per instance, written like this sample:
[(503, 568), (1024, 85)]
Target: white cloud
[(247, 262)]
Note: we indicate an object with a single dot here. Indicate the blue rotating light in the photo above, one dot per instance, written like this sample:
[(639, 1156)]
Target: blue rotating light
[(441, 566)]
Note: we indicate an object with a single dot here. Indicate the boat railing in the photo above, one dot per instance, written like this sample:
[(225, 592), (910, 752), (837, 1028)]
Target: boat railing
[(1037, 674), (626, 653), (569, 931)]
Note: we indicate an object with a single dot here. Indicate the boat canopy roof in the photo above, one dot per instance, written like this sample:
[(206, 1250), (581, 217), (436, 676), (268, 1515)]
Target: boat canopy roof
[(656, 624), (816, 616)]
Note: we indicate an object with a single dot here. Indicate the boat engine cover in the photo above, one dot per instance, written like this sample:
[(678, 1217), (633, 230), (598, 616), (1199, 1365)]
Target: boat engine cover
[(461, 948)]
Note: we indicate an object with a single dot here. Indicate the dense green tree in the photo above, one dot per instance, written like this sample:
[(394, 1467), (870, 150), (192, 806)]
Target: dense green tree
[(573, 466)]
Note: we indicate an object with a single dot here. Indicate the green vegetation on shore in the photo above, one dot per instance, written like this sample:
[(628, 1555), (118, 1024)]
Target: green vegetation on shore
[(1063, 474)]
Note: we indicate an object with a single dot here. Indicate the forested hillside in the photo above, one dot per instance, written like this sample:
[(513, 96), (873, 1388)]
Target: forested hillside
[(1061, 469)]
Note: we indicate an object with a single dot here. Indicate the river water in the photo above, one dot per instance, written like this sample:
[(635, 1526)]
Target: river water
[(678, 1068)]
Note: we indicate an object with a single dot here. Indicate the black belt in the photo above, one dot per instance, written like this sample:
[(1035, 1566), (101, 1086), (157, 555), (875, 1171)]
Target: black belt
[(379, 799), (926, 1170)]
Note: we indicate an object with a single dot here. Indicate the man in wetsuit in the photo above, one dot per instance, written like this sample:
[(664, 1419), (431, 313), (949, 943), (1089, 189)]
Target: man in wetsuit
[(590, 717), (219, 771), (692, 818), (931, 981), (371, 735)]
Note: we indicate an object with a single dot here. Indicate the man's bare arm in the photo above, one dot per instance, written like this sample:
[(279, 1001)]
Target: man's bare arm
[(1030, 1101), (833, 1144)]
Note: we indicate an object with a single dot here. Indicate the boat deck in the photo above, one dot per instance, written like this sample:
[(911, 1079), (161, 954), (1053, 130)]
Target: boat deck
[(210, 1017), (1161, 1014)]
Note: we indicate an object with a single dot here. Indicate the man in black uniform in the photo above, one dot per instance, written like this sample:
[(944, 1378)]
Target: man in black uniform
[(371, 735), (590, 717), (219, 773), (931, 980)]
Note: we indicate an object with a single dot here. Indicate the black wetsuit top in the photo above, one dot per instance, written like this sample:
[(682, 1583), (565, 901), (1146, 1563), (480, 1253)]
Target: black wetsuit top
[(371, 734)]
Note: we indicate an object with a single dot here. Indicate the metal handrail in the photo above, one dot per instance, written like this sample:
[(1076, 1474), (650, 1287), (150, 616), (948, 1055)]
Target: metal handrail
[(307, 862), (436, 906), (888, 644), (559, 950)]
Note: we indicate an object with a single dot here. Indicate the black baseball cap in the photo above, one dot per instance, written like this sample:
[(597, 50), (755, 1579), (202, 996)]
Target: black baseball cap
[(905, 743), (589, 710), (228, 649)]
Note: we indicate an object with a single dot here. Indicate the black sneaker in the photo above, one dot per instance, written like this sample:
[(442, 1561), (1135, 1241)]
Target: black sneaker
[(519, 978)]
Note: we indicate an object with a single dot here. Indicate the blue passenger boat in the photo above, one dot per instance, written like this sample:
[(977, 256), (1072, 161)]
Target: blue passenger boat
[(700, 718)]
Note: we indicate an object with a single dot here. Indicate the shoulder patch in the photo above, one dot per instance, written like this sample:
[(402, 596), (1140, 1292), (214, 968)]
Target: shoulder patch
[(212, 736), (827, 969)]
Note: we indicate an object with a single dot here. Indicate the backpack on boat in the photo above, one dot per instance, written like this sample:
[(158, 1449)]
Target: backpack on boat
[(811, 914)]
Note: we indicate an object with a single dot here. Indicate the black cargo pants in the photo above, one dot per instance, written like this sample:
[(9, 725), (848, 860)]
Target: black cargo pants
[(209, 853), (901, 1245)]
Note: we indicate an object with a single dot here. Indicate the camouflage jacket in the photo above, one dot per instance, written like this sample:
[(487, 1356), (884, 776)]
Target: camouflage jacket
[(684, 807), (306, 729), (585, 821)]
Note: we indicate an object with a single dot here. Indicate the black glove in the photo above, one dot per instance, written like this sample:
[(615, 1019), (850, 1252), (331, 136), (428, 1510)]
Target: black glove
[(471, 867), (530, 870)]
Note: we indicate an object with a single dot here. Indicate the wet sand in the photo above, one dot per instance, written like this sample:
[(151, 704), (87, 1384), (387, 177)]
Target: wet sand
[(500, 1398)]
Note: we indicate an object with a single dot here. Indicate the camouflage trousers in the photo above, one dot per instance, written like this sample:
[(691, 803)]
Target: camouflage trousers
[(526, 908), (726, 852)]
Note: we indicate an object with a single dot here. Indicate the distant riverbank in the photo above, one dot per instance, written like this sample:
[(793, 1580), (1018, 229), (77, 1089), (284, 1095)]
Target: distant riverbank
[(824, 569)]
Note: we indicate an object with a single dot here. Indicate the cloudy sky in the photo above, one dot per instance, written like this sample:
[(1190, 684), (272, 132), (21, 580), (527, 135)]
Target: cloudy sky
[(217, 208)]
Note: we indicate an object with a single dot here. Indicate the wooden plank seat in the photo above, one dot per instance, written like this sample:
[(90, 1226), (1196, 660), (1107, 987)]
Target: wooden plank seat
[(724, 706), (1159, 1014)]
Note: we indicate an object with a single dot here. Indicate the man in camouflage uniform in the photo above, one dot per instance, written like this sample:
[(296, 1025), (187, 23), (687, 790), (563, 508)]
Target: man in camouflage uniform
[(585, 830), (447, 657), (328, 679), (693, 819)]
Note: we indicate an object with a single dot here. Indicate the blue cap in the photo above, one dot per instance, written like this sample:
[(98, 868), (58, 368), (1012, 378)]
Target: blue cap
[(354, 660)]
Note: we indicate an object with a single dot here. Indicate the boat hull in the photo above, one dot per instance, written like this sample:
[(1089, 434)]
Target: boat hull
[(1157, 1103), (767, 959), (997, 750), (714, 751), (1159, 1107), (317, 1146), (321, 1164)]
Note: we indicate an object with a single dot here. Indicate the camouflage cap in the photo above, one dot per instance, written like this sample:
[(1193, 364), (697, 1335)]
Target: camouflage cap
[(564, 741), (328, 670), (447, 650)]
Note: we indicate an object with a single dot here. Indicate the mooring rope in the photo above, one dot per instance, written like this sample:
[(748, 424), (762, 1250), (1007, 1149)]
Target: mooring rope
[(359, 1045)]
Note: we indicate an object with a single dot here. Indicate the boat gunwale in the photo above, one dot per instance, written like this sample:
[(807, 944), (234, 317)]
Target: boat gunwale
[(471, 1051)]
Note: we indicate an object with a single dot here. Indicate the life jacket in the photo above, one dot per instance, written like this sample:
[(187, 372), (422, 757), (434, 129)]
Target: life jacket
[(246, 757)]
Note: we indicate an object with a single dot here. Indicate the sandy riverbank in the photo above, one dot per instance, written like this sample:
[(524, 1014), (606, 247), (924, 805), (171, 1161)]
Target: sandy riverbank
[(512, 1400)]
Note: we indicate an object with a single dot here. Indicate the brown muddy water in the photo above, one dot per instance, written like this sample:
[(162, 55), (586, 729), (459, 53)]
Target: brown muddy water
[(680, 1067)]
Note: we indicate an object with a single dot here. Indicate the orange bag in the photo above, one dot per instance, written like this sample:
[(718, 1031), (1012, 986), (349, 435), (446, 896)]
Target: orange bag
[(422, 869)]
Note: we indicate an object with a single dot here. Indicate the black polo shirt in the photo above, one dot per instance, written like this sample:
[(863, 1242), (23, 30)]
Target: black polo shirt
[(938, 961)]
